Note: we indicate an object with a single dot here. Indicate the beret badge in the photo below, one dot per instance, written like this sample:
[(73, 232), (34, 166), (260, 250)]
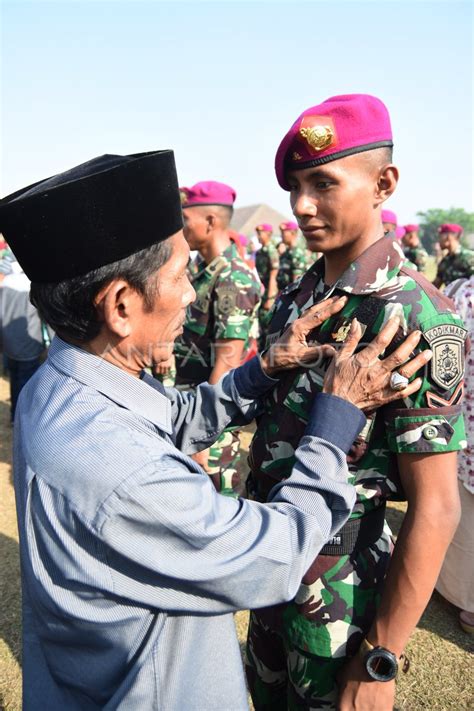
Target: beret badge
[(183, 196), (318, 137)]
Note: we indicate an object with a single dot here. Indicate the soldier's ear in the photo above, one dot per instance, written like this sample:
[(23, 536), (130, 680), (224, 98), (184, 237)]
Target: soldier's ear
[(386, 183), (211, 220)]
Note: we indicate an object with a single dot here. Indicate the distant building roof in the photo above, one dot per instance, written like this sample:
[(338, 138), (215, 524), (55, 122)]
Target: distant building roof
[(245, 219)]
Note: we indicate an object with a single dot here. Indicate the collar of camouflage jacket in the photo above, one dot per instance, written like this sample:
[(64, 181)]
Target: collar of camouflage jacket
[(228, 254), (380, 263)]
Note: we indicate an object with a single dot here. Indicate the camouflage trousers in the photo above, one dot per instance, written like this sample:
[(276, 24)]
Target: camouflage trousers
[(295, 651)]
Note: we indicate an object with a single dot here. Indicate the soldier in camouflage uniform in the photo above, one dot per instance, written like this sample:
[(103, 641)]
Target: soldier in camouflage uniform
[(294, 261), (267, 262), (458, 262), (413, 249), (313, 652), (221, 325)]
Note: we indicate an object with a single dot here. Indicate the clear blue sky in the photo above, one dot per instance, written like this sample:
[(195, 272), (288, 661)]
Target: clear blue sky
[(220, 83)]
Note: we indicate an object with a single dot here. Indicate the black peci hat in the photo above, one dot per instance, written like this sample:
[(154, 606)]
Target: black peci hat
[(92, 215)]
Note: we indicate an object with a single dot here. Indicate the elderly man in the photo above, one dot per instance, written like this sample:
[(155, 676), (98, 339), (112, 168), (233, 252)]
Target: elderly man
[(357, 604), (132, 563)]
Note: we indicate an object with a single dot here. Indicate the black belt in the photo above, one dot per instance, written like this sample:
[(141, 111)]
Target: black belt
[(356, 534)]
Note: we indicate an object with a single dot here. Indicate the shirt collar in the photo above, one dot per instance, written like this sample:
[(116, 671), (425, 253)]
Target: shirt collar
[(380, 263), (228, 254), (135, 394)]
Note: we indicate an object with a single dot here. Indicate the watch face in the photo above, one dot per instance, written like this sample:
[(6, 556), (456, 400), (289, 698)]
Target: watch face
[(381, 664)]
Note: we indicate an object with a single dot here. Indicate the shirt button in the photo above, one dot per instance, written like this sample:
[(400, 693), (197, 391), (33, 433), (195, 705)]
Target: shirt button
[(429, 432)]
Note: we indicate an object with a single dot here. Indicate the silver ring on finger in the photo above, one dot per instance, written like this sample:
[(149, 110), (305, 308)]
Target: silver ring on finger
[(398, 381)]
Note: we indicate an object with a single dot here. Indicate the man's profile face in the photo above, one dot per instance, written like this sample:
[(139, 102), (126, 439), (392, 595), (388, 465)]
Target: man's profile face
[(155, 331), (333, 203), (449, 241), (410, 239), (195, 227), (264, 236), (287, 237)]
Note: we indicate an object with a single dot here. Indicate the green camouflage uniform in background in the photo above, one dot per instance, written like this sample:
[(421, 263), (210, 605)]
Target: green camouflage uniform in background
[(417, 256), (226, 306), (295, 650), (266, 260), (456, 266), (293, 264)]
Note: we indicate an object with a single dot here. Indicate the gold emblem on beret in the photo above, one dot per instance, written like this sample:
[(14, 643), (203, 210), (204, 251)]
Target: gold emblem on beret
[(318, 137), (297, 156), (184, 197)]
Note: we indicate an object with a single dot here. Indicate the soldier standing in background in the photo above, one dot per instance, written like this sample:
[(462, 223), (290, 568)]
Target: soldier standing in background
[(413, 249), (221, 325), (267, 262), (458, 262), (293, 261), (389, 221), (341, 640)]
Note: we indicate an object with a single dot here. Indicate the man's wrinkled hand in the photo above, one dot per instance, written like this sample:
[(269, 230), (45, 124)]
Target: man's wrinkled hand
[(363, 378), (292, 349)]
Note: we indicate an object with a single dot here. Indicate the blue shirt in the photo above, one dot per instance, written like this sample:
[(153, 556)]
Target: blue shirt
[(132, 563)]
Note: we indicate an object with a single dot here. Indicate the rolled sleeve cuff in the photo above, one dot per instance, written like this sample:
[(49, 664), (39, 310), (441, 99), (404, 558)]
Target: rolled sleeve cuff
[(335, 420), (250, 380)]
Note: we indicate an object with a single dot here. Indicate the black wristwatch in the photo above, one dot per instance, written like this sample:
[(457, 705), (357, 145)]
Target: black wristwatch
[(380, 663)]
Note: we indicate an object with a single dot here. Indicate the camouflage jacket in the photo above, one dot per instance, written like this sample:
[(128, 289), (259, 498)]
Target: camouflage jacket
[(266, 260), (226, 306), (417, 256), (293, 264), (379, 286), (456, 266)]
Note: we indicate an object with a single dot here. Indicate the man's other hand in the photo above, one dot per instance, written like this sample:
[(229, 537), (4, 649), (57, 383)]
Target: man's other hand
[(292, 349)]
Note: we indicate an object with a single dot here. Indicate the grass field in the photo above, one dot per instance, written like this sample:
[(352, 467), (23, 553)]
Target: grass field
[(441, 676)]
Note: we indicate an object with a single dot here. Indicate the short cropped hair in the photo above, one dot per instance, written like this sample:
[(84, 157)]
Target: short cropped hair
[(68, 306)]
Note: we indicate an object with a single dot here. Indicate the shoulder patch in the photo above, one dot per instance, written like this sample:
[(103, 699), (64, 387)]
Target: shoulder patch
[(447, 343), (226, 299)]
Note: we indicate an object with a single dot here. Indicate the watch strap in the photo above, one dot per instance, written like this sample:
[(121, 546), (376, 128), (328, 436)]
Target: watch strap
[(366, 647)]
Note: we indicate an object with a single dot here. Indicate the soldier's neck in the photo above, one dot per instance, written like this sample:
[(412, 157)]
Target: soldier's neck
[(337, 261), (217, 244)]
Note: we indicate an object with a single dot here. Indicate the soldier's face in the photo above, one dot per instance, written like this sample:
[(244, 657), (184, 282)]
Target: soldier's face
[(196, 227), (264, 236), (288, 237), (334, 203), (389, 227), (410, 239), (449, 241)]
